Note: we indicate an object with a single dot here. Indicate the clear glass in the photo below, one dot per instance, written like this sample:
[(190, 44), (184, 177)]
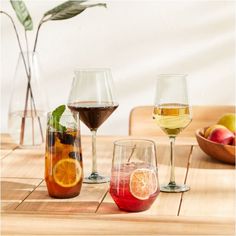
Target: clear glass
[(28, 103), (134, 182), (172, 114), (92, 95), (63, 157)]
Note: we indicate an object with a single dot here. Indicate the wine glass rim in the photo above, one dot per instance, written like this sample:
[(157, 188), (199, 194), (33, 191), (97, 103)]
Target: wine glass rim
[(91, 69), (65, 114), (124, 142)]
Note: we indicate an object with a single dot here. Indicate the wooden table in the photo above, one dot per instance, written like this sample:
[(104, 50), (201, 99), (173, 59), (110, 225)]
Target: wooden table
[(207, 209)]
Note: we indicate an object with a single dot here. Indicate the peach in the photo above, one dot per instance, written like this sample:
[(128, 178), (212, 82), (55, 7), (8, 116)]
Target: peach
[(211, 128), (221, 135)]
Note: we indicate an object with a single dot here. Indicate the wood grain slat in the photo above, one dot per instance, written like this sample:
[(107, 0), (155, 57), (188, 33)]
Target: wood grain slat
[(165, 204), (211, 195), (29, 163), (14, 191), (9, 205), (212, 188), (128, 224), (87, 202), (24, 163), (7, 145)]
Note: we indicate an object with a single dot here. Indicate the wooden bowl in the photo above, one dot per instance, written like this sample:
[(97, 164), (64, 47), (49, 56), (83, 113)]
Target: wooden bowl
[(221, 152)]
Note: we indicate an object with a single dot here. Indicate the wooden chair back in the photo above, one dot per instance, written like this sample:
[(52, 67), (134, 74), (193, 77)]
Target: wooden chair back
[(141, 122)]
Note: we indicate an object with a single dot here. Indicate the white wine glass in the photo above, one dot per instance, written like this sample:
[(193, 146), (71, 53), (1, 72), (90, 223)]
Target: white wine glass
[(92, 95), (172, 114)]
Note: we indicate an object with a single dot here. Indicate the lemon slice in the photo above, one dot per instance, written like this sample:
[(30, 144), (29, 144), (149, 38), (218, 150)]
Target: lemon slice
[(67, 172), (143, 183)]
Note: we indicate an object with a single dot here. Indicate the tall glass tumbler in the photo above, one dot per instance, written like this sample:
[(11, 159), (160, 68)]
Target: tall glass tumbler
[(63, 158)]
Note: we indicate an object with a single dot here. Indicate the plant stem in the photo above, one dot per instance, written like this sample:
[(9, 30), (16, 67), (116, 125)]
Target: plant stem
[(37, 34), (32, 116), (31, 92), (22, 130), (27, 53), (29, 89), (31, 98), (18, 39), (27, 73), (27, 94), (34, 50)]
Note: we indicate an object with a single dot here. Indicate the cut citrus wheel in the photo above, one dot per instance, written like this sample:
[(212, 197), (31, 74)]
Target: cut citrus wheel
[(143, 183), (67, 172)]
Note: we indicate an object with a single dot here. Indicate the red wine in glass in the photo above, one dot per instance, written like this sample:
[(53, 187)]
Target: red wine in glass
[(92, 96), (93, 114)]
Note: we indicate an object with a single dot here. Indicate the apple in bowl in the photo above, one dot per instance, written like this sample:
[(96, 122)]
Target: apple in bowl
[(219, 151), (221, 135), (224, 131)]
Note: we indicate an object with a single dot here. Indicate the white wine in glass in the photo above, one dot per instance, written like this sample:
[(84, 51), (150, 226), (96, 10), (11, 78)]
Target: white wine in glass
[(172, 114)]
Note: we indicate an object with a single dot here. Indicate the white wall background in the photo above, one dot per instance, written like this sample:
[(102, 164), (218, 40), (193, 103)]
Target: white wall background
[(138, 40)]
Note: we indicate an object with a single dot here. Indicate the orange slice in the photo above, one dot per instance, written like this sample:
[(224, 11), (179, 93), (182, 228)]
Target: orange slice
[(67, 172), (143, 183)]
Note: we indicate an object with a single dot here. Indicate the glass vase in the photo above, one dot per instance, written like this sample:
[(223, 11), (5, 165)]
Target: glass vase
[(28, 103)]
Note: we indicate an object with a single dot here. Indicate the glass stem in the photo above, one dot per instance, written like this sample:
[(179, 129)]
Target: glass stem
[(94, 153), (172, 161)]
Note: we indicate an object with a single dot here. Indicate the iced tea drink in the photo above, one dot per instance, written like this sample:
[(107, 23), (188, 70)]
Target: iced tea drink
[(63, 159)]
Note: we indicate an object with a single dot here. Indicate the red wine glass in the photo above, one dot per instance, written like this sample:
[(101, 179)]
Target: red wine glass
[(92, 95)]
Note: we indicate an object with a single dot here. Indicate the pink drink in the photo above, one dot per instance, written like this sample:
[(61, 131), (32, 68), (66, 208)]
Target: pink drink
[(120, 188)]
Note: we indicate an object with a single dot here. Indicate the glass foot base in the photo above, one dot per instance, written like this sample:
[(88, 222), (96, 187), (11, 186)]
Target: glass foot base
[(174, 188), (95, 178)]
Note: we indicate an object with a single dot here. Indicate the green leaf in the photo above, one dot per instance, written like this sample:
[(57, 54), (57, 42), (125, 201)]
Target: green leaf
[(55, 118), (22, 14), (68, 10), (59, 127), (57, 113)]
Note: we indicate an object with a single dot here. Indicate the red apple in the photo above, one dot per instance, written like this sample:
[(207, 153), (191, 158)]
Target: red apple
[(220, 135)]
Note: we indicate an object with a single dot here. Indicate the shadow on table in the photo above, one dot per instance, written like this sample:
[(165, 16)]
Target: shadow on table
[(15, 190)]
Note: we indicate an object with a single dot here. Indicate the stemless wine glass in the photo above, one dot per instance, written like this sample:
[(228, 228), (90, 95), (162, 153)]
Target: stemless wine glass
[(134, 177), (172, 113), (92, 95)]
